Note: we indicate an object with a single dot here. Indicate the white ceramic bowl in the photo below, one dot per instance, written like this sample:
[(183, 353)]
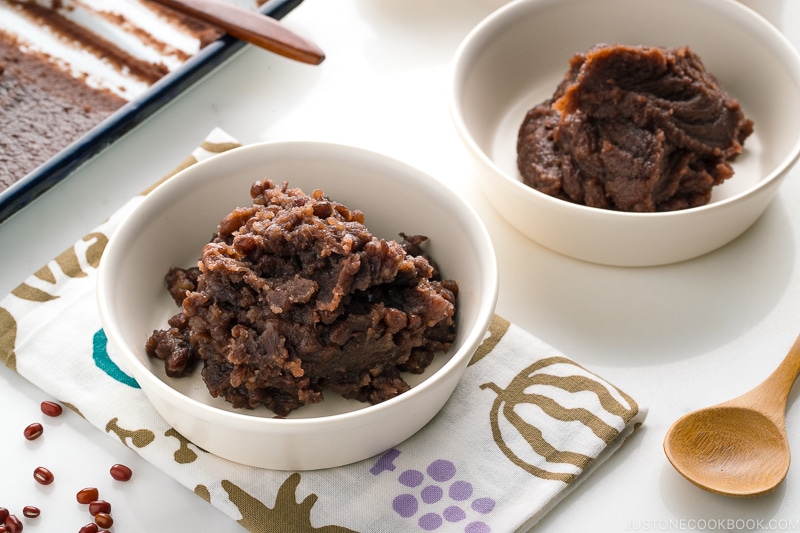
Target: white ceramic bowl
[(170, 227), (515, 58)]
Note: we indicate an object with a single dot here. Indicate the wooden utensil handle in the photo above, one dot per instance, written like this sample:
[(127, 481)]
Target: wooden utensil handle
[(251, 27), (771, 395)]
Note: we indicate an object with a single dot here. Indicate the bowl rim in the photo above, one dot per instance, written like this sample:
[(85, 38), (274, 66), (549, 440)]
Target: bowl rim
[(494, 22), (489, 288)]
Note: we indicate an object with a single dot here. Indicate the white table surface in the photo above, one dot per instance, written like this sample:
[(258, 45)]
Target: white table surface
[(676, 337)]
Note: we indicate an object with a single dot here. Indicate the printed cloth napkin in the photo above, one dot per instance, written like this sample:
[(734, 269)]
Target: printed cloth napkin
[(524, 425)]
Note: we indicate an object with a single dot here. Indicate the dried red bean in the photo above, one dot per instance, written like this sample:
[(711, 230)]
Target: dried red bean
[(87, 495), (43, 476), (121, 472), (30, 511), (13, 524), (51, 408), (3, 529), (103, 520), (3, 514), (33, 431), (89, 528), (99, 506)]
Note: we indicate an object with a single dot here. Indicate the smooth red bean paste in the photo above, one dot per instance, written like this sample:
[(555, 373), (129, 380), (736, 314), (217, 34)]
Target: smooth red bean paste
[(294, 296), (633, 129)]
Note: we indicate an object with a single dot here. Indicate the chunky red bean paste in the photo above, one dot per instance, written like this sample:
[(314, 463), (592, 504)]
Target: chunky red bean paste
[(294, 296), (633, 128)]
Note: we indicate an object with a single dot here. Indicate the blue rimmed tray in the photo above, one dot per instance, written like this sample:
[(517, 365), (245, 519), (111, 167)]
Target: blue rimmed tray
[(24, 191)]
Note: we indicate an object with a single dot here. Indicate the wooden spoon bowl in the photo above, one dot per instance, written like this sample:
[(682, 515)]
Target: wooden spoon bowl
[(714, 449)]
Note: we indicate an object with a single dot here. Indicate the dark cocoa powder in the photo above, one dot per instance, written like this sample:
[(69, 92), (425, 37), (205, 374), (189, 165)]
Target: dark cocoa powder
[(42, 110)]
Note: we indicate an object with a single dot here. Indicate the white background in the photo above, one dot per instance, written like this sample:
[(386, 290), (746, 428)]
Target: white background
[(676, 338)]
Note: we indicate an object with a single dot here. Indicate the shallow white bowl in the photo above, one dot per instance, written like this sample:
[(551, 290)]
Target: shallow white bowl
[(515, 58), (170, 227)]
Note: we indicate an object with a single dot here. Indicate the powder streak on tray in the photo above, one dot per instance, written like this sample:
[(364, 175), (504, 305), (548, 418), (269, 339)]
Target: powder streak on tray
[(119, 46), (66, 65)]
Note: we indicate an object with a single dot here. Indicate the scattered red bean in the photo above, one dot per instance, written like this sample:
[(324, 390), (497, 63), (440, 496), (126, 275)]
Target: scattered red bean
[(43, 476), (13, 524), (121, 472), (103, 520), (87, 495), (51, 408), (100, 509), (33, 431), (99, 506)]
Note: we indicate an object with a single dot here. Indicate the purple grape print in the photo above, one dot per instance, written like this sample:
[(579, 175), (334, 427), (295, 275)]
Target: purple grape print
[(435, 495), (405, 505), (411, 478), (441, 470)]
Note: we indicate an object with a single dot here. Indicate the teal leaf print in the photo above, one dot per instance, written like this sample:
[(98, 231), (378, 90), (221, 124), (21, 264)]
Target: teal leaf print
[(104, 362)]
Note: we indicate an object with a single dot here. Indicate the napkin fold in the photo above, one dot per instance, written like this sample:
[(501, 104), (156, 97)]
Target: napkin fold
[(523, 427)]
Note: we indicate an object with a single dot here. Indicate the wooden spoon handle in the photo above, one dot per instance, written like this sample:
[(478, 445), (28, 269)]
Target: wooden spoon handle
[(783, 378), (771, 395), (251, 27)]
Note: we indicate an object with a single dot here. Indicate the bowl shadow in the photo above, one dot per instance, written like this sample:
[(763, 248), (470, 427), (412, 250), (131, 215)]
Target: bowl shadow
[(638, 315)]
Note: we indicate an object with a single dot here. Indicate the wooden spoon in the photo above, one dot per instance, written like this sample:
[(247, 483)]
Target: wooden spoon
[(738, 448), (251, 27)]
